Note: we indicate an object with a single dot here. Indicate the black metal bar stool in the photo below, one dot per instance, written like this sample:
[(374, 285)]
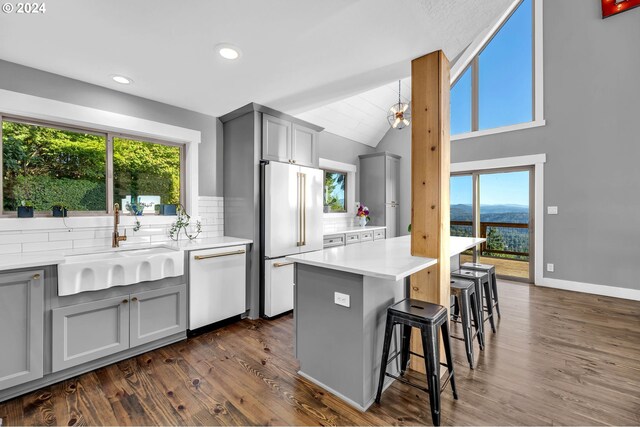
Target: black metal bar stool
[(491, 270), (481, 279), (465, 297), (427, 317)]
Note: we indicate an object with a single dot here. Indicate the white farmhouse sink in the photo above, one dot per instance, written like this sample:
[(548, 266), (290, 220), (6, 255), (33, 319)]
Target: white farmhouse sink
[(96, 271)]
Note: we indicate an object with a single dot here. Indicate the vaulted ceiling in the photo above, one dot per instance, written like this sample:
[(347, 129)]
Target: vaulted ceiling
[(362, 117), (297, 56)]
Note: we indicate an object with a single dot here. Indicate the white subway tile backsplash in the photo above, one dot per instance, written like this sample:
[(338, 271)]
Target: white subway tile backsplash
[(40, 238), (10, 249), (23, 238), (47, 246), (71, 235), (92, 243)]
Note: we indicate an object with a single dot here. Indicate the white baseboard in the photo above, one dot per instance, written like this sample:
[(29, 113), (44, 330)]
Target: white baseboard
[(590, 288)]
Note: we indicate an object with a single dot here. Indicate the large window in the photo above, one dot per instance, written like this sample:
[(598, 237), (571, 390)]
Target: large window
[(461, 104), (45, 165), (335, 185), (496, 89), (145, 174)]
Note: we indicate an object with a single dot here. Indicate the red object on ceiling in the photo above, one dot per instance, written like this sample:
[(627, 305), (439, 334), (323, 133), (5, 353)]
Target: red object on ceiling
[(613, 7)]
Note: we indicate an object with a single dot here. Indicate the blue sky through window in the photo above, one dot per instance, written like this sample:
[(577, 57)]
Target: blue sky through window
[(508, 188), (461, 104), (505, 85)]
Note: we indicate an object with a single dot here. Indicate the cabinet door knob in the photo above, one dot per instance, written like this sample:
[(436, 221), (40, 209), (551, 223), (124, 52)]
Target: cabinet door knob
[(125, 301), (134, 299), (36, 277)]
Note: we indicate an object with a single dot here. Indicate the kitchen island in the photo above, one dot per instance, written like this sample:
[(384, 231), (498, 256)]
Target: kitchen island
[(341, 297)]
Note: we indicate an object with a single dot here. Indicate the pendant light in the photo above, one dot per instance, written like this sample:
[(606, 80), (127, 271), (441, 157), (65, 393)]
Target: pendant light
[(399, 115)]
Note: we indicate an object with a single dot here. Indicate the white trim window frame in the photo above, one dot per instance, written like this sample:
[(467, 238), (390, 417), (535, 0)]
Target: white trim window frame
[(469, 59), (537, 161), (109, 175), (350, 170), (65, 114)]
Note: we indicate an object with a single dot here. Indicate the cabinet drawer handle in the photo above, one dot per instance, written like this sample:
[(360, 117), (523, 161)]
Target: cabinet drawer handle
[(201, 257), (134, 299), (36, 277), (281, 264), (125, 301)]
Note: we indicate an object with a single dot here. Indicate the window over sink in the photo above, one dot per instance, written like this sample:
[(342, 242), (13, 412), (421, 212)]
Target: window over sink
[(46, 165)]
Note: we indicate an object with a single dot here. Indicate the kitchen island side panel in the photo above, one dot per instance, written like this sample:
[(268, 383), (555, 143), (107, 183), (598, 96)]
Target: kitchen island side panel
[(329, 337), (379, 294), (341, 347)]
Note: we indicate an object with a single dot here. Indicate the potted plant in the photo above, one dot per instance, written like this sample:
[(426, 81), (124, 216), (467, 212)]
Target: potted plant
[(182, 224), (25, 210), (362, 215), (59, 210), (163, 209), (135, 208)]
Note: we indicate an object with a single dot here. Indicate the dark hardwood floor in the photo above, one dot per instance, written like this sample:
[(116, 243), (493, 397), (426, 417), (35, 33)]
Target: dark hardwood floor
[(558, 358)]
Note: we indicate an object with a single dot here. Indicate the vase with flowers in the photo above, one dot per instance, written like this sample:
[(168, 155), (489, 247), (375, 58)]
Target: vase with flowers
[(362, 215)]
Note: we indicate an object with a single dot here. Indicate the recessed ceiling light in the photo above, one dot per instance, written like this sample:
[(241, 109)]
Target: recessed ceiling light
[(228, 51), (121, 79)]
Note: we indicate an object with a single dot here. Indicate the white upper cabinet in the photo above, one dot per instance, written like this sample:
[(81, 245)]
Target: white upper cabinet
[(284, 141)]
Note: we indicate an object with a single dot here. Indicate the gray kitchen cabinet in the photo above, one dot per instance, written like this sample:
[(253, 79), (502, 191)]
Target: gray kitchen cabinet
[(276, 139), (333, 240), (352, 238), (89, 331), (289, 142), (366, 236), (157, 314), (380, 189), (22, 327), (304, 146)]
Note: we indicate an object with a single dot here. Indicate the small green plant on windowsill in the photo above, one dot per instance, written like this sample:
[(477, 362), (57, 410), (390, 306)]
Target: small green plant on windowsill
[(182, 224)]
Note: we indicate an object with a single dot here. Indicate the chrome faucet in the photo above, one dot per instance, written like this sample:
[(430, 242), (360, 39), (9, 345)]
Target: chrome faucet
[(117, 238)]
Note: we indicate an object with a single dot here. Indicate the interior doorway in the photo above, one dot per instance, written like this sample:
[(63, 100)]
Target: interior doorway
[(498, 205)]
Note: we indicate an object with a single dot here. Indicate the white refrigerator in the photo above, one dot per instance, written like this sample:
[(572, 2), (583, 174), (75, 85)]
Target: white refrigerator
[(292, 225)]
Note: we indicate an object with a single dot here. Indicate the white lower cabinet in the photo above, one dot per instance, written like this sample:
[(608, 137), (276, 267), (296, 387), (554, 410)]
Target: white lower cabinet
[(278, 286), (90, 331)]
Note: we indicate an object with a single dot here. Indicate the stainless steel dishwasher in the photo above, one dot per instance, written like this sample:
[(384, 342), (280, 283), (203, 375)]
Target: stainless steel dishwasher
[(217, 285)]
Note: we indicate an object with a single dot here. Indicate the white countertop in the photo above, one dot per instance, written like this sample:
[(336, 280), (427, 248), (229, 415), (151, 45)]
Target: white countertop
[(457, 245), (39, 259), (354, 229), (389, 259)]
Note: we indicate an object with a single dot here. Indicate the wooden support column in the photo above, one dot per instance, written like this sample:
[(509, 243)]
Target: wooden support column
[(430, 168)]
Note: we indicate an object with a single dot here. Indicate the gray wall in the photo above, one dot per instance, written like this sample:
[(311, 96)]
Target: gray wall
[(341, 149), (30, 81), (592, 142)]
